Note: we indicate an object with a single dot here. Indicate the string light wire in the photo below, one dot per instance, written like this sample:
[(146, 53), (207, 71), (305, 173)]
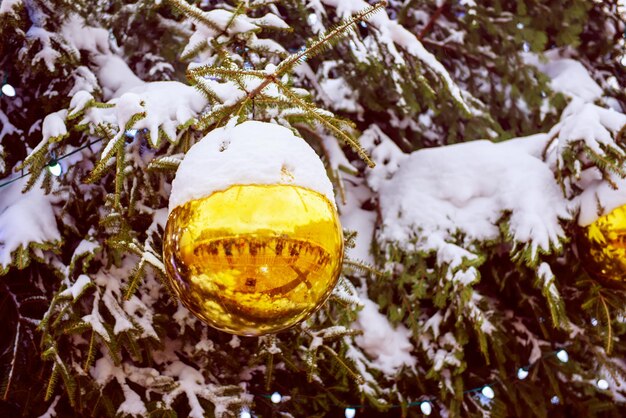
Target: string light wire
[(53, 160)]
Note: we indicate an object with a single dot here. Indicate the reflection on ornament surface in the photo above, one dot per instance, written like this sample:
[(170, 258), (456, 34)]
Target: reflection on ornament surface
[(254, 259), (603, 246)]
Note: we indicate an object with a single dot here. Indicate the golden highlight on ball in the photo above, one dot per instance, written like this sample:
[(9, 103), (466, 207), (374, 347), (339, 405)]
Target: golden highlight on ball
[(254, 259)]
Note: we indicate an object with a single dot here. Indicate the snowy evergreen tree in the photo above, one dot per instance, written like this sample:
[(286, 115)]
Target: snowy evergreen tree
[(469, 143)]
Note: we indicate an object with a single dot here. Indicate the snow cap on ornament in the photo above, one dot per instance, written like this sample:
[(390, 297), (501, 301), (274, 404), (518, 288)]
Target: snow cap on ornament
[(249, 153)]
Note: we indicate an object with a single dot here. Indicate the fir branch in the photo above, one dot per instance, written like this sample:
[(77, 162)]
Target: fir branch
[(363, 266), (91, 351), (269, 371), (431, 22), (167, 163), (194, 13), (609, 327), (135, 278), (227, 72), (119, 176), (193, 52), (52, 381), (356, 376), (332, 35), (324, 121), (13, 361), (239, 10)]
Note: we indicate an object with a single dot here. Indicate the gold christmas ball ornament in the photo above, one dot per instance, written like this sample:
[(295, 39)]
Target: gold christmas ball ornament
[(602, 246), (253, 243)]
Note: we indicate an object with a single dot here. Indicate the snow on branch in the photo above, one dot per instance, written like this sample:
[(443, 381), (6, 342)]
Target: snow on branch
[(461, 194), (11, 7), (587, 146), (392, 34), (28, 221), (385, 153), (389, 347), (221, 26), (590, 135)]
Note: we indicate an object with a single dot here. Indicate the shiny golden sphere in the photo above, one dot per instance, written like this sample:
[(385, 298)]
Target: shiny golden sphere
[(602, 246), (254, 259)]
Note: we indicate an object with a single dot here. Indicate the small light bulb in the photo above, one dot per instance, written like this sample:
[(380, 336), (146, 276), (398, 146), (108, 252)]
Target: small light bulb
[(55, 168), (245, 414), (276, 398), (602, 384), (555, 400), (312, 19), (623, 60), (525, 47), (488, 392), (522, 373), (520, 25), (563, 356), (594, 322), (426, 408), (130, 133), (8, 90), (350, 412)]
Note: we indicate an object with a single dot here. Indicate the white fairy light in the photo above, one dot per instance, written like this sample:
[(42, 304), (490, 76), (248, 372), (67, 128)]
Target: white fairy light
[(522, 373), (276, 398), (8, 90), (488, 392), (555, 400), (594, 322), (602, 384), (55, 168), (350, 412), (130, 133), (426, 408), (312, 19), (245, 414), (562, 355)]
